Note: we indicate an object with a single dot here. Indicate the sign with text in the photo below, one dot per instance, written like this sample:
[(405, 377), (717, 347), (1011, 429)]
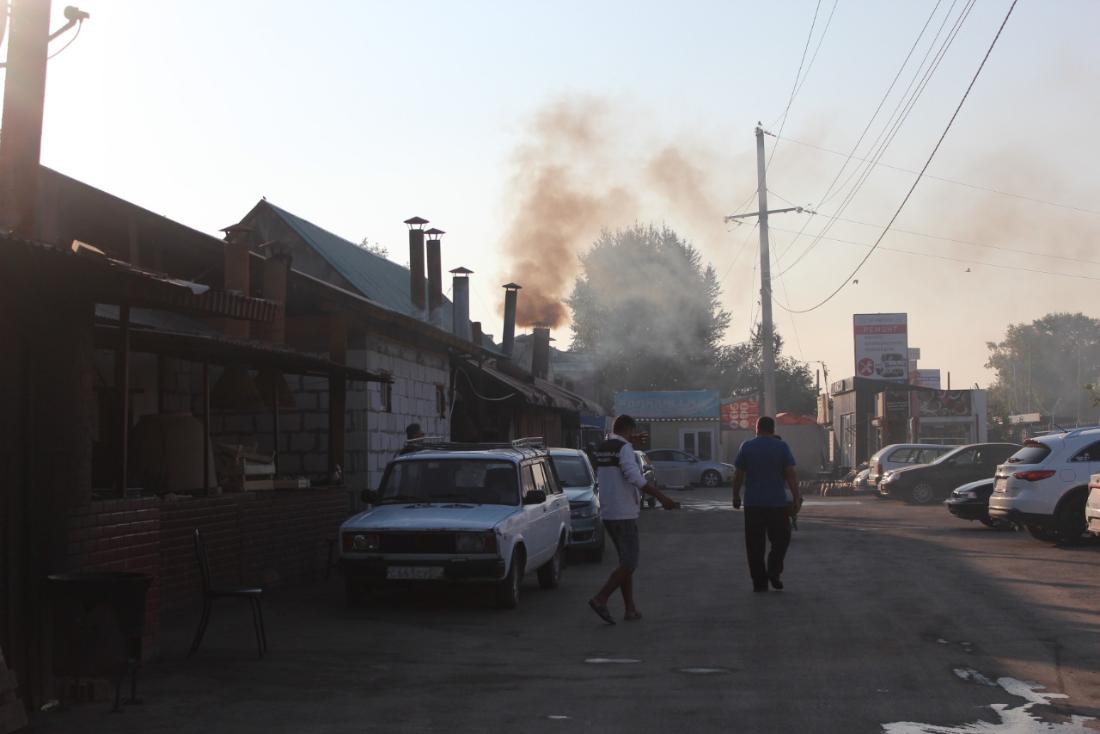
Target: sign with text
[(740, 413), (882, 346), (668, 404), (925, 378)]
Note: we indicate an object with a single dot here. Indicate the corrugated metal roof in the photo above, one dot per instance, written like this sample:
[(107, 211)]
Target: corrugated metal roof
[(376, 277)]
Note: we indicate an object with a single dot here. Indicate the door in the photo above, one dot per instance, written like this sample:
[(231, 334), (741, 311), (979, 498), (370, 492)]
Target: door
[(1084, 464), (959, 469), (698, 442), (542, 528)]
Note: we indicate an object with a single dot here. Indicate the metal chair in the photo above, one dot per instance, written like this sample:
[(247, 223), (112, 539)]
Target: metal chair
[(254, 595)]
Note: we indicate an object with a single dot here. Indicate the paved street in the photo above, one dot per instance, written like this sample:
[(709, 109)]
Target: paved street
[(891, 614)]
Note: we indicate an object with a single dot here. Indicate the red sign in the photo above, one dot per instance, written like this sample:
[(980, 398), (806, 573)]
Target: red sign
[(740, 413), (866, 367)]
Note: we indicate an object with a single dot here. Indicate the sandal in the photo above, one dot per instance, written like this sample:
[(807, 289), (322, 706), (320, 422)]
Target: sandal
[(601, 611)]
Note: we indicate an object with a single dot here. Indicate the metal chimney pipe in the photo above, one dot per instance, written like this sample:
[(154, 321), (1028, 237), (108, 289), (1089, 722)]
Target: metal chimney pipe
[(416, 262), (435, 273), (540, 352), (475, 333), (511, 293), (460, 294)]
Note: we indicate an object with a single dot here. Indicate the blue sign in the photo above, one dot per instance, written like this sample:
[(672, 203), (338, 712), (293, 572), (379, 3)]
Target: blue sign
[(668, 404)]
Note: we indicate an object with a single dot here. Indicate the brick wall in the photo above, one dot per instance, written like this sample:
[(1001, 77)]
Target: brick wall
[(251, 538), (121, 535)]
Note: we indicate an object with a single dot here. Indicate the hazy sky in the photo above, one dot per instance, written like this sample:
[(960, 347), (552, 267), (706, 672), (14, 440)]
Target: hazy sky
[(358, 115)]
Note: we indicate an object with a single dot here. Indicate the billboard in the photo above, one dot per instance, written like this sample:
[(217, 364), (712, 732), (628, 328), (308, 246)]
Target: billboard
[(740, 413), (925, 378), (683, 404), (881, 346)]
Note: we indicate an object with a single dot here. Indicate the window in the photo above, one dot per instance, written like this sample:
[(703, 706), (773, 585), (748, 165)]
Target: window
[(458, 480), (572, 470), (386, 394), (527, 480), (441, 401), (660, 456), (1033, 452), (904, 456), (1091, 453), (965, 458), (927, 456)]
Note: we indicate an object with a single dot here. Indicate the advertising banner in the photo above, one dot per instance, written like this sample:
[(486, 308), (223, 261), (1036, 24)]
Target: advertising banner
[(882, 346), (925, 378), (942, 403), (740, 413), (697, 404)]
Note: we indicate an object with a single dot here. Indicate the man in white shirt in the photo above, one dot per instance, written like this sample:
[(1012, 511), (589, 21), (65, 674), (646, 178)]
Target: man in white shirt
[(621, 487)]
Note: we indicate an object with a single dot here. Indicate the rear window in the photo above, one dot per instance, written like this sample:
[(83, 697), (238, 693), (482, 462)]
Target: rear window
[(1033, 452), (572, 471), (903, 456)]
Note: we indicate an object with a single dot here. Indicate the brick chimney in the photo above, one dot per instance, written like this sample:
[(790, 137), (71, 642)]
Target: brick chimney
[(460, 295), (276, 283), (416, 262), (475, 333), (435, 274), (237, 273), (511, 294), (540, 352)]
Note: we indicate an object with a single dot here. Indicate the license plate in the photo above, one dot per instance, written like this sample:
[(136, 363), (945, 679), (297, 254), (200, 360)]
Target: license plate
[(1001, 485), (415, 573)]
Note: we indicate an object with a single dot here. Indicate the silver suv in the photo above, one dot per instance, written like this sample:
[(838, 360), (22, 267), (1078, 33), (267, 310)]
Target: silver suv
[(1044, 485)]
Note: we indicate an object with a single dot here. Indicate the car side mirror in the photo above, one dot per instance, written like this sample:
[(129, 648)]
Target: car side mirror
[(369, 496), (534, 497)]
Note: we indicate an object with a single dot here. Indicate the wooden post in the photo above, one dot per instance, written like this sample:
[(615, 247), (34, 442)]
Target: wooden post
[(122, 384), (275, 424), (206, 428), (337, 389)]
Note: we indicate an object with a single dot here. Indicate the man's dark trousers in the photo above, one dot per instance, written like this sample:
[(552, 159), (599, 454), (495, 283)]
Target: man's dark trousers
[(772, 524)]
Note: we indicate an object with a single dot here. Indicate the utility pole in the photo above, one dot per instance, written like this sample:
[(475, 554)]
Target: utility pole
[(24, 99), (767, 327)]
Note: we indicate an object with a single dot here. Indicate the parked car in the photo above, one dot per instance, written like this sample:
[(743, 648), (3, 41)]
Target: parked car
[(646, 466), (926, 483), (898, 455), (452, 513), (1044, 485), (579, 482), (861, 483), (675, 468), (971, 502), (1092, 507)]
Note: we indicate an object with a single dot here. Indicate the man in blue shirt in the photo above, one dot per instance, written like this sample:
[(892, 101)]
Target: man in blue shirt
[(765, 468)]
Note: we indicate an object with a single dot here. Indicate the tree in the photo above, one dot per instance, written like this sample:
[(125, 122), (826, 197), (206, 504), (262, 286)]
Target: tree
[(1045, 367), (375, 248), (739, 370), (647, 309)]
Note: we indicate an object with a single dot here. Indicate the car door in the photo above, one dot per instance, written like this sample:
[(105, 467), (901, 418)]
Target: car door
[(689, 468), (542, 540), (1083, 464), (668, 471), (958, 470), (559, 503)]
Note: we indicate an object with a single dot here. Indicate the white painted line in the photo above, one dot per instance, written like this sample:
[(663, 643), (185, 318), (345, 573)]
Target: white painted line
[(611, 661)]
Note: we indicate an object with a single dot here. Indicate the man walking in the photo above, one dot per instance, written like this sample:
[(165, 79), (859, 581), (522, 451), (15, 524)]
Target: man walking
[(765, 468), (621, 485)]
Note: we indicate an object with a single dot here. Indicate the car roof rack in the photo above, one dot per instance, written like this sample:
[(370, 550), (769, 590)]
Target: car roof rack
[(436, 443)]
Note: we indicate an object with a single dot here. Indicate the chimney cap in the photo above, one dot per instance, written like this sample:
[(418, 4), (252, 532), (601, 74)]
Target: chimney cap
[(512, 286), (435, 232), (416, 222), (461, 271)]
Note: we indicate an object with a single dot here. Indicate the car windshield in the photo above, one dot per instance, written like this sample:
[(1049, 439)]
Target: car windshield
[(478, 481), (572, 471), (948, 456), (1033, 452)]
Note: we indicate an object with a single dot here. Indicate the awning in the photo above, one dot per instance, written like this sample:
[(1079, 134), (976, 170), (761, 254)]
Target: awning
[(533, 391)]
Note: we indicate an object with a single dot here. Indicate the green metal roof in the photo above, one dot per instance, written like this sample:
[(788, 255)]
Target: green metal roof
[(379, 279)]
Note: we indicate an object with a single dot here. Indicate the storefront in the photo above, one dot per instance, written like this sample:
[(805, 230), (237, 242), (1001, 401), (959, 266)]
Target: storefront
[(687, 420)]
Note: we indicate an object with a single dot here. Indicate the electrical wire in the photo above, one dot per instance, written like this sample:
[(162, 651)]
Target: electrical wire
[(916, 181), (817, 49), (473, 389), (76, 35), (893, 125), (795, 86), (955, 181), (948, 258)]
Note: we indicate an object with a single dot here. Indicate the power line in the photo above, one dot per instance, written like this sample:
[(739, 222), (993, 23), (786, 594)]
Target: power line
[(948, 258), (797, 77), (817, 48), (927, 163), (957, 182)]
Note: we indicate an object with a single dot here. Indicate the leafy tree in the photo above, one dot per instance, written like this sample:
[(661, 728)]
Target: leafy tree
[(375, 248), (1046, 367), (740, 370), (647, 308)]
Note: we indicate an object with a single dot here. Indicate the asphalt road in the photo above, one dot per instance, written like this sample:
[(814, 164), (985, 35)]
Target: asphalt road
[(891, 614)]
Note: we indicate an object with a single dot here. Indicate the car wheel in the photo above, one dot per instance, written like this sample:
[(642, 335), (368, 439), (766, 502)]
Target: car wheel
[(1069, 522), (711, 479), (1042, 532), (507, 591), (550, 572), (922, 494)]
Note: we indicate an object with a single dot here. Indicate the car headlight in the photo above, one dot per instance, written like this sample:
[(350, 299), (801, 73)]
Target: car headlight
[(888, 477), (968, 494), (475, 543), (582, 511), (360, 542)]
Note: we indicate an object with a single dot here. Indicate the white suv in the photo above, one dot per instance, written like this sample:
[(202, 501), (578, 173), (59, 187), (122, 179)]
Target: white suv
[(482, 513), (1044, 485)]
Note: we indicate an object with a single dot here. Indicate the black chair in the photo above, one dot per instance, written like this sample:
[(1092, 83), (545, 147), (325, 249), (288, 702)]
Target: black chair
[(254, 595)]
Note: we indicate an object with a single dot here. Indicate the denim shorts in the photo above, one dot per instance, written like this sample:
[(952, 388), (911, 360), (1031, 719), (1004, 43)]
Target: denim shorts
[(624, 534)]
